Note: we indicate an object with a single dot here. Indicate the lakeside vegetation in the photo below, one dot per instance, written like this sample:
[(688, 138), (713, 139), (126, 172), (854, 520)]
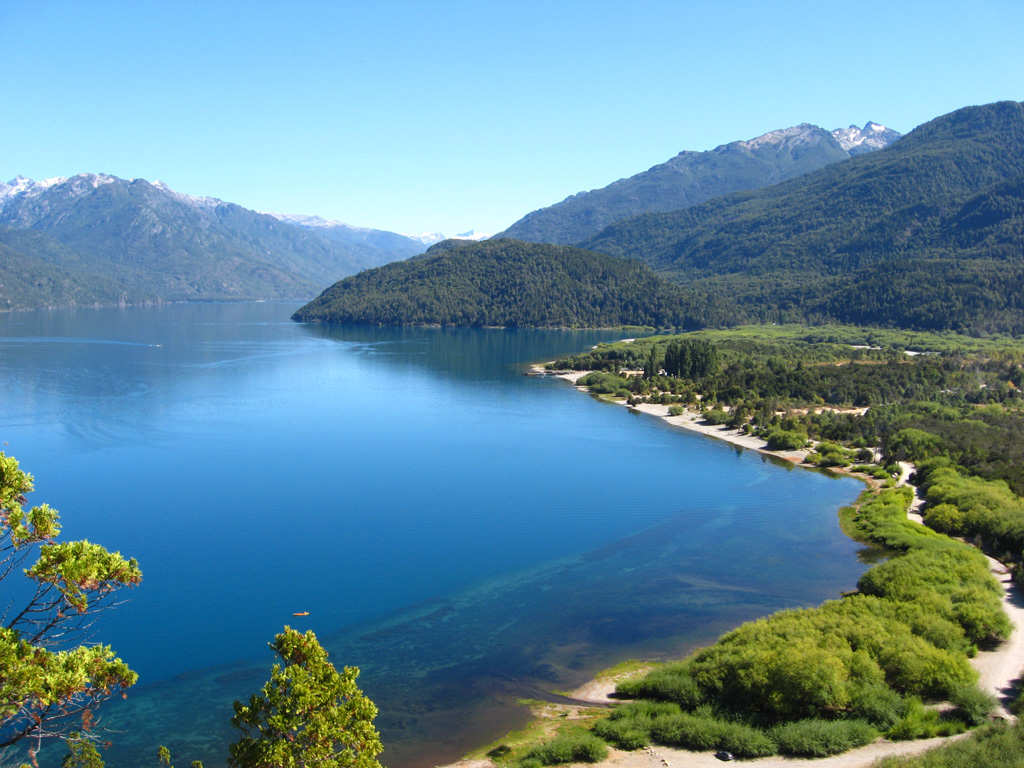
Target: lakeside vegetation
[(820, 681)]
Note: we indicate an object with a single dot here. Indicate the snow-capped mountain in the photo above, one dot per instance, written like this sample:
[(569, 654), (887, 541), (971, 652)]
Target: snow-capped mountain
[(105, 239), (691, 177), (428, 238), (872, 136)]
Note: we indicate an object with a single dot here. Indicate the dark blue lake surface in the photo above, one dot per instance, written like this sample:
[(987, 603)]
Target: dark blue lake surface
[(464, 534)]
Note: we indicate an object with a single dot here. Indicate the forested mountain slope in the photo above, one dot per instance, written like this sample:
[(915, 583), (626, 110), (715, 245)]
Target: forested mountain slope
[(510, 283), (927, 233), (693, 177), (142, 242)]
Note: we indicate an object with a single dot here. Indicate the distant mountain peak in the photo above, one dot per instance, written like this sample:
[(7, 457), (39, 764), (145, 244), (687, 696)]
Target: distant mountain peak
[(206, 203), (871, 136), (693, 177), (427, 238), (802, 132), (75, 186)]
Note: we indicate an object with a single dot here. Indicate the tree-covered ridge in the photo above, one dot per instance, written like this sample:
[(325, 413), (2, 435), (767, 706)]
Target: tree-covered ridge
[(31, 279), (509, 283), (685, 180), (926, 233)]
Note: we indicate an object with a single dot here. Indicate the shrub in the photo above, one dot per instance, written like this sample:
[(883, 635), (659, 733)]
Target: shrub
[(995, 745), (625, 734), (820, 738), (717, 417), (973, 705), (676, 410), (785, 440), (878, 704), (669, 683), (576, 747), (921, 723), (699, 733)]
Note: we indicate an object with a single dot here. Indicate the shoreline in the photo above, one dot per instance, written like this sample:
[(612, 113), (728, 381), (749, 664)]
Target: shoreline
[(997, 668), (688, 420)]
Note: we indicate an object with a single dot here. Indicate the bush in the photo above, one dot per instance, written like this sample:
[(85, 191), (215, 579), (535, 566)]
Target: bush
[(669, 683), (995, 745), (878, 704), (699, 733), (716, 417), (576, 747), (820, 738), (676, 410), (785, 440), (921, 723), (625, 734), (973, 705)]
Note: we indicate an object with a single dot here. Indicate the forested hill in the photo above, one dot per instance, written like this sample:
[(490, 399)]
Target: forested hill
[(927, 233), (693, 177), (509, 283)]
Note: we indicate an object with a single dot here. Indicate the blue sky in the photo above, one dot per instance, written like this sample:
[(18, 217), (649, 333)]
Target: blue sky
[(446, 116)]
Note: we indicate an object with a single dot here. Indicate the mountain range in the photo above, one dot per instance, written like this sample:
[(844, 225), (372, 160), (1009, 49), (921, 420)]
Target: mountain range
[(99, 239), (693, 177), (925, 233)]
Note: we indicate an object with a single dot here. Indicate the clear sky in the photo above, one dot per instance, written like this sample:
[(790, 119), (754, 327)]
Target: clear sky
[(446, 116)]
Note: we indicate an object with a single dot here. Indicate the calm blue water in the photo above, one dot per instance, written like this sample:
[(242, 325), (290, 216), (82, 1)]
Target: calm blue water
[(462, 533)]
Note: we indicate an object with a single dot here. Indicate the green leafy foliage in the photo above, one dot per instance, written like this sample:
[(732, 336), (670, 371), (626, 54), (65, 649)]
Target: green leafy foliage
[(999, 744), (307, 714), (820, 738), (508, 283), (52, 682), (574, 747)]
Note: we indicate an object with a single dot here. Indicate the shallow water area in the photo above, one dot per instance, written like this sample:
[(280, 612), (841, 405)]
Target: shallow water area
[(464, 534)]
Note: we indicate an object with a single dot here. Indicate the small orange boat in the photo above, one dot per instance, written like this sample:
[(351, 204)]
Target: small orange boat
[(301, 613)]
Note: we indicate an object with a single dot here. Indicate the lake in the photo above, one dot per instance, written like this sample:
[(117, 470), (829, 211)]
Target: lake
[(466, 535)]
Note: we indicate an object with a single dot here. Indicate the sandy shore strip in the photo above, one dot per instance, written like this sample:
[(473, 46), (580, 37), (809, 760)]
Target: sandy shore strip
[(690, 419)]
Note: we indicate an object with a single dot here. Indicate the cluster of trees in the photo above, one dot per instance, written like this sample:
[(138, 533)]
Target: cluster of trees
[(508, 283), (690, 359), (51, 681)]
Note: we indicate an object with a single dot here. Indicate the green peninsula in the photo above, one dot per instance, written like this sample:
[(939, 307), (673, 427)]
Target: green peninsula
[(514, 284)]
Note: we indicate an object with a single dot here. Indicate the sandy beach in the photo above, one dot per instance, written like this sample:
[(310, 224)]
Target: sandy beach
[(690, 420)]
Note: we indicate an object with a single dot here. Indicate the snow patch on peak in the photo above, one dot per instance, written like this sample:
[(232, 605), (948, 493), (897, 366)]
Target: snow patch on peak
[(314, 222), (205, 203), (426, 238), (22, 186), (800, 133), (871, 136), (470, 235)]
